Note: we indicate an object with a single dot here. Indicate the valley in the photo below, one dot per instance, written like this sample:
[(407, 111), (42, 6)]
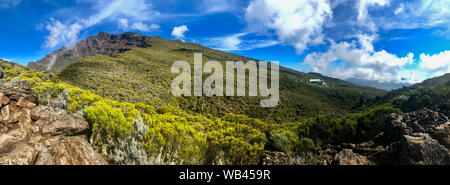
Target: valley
[(120, 85)]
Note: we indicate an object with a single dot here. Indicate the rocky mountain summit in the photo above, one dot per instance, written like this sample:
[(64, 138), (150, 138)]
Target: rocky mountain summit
[(103, 43), (36, 135)]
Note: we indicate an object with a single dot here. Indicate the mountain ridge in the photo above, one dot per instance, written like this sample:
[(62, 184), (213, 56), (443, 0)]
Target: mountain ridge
[(142, 74), (103, 43)]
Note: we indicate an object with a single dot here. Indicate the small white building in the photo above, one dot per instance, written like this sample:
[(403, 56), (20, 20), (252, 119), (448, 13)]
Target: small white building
[(317, 81)]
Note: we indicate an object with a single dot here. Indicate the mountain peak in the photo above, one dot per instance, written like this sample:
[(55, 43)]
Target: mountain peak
[(103, 43)]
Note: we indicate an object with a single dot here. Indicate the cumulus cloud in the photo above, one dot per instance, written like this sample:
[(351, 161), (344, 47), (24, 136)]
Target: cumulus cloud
[(296, 22), (437, 64), (347, 55), (358, 59), (120, 10), (178, 31)]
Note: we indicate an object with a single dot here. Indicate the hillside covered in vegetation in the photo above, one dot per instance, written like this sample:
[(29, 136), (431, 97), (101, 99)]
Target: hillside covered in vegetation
[(142, 74), (125, 97)]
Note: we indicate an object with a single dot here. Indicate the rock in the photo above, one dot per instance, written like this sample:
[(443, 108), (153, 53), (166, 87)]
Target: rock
[(348, 145), (17, 89), (419, 137), (17, 153), (31, 135), (4, 100), (275, 158), (10, 115), (64, 124), (25, 104), (5, 140), (40, 112), (442, 134), (419, 148), (347, 157), (76, 151), (44, 157)]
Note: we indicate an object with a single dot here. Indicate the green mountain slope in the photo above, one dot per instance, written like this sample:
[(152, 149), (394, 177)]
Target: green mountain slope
[(143, 75), (432, 93)]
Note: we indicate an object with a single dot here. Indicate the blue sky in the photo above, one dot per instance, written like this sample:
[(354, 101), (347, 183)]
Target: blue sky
[(383, 41)]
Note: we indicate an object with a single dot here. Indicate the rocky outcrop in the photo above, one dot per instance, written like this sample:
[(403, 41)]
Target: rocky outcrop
[(31, 134), (103, 43), (416, 138), (420, 137), (348, 157), (275, 158)]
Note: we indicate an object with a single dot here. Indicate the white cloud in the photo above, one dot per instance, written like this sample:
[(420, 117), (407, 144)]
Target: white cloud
[(416, 14), (56, 30), (437, 64), (359, 60), (399, 9), (296, 22), (218, 6), (144, 27), (364, 4), (123, 23), (9, 3), (119, 10), (178, 32), (230, 43), (235, 43), (140, 26)]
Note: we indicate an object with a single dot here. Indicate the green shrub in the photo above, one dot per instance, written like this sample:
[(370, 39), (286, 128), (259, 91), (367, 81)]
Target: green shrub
[(233, 143), (107, 122), (174, 139)]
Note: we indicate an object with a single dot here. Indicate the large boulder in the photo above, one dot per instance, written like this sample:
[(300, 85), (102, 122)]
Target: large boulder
[(63, 124), (35, 135), (419, 148), (17, 89), (419, 137)]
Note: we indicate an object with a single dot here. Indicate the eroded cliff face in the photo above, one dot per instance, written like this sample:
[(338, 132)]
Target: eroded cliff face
[(103, 43), (36, 135)]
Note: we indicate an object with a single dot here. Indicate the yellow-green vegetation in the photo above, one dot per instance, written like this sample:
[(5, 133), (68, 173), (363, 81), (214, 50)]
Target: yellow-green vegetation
[(143, 75), (173, 136), (175, 139), (109, 122), (137, 123), (232, 140)]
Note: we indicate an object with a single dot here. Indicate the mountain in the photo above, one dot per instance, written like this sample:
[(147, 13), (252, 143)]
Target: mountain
[(132, 118), (103, 43), (385, 86), (141, 73), (432, 93)]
